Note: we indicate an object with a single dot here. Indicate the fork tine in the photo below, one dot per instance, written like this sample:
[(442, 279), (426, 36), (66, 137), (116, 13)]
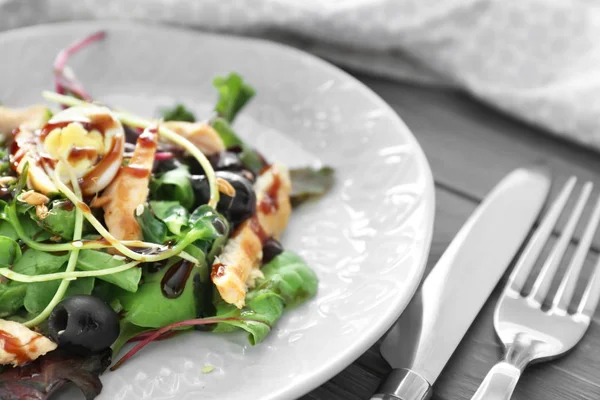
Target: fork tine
[(564, 295), (532, 251), (591, 296), (544, 279)]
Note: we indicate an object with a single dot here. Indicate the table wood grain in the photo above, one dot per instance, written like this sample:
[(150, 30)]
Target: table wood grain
[(470, 147)]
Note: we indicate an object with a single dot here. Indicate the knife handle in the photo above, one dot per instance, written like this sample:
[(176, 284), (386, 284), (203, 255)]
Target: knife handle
[(403, 384)]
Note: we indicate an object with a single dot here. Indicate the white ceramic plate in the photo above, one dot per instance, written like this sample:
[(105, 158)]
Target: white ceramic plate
[(367, 240)]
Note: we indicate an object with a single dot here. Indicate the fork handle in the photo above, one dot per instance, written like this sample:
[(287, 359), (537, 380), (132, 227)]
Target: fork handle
[(499, 383)]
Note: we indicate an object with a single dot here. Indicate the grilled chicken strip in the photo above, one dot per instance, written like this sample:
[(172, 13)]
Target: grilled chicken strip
[(33, 117), (201, 134), (130, 189), (238, 265), (19, 344)]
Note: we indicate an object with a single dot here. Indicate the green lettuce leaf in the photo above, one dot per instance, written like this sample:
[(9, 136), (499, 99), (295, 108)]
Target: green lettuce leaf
[(153, 230), (174, 185), (234, 93), (178, 113), (310, 182), (287, 282), (290, 277), (250, 158), (173, 214)]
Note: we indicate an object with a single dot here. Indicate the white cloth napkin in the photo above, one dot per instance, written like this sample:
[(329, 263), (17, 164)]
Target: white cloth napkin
[(536, 59)]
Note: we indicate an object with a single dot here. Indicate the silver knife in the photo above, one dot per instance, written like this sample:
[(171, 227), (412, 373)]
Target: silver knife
[(419, 345)]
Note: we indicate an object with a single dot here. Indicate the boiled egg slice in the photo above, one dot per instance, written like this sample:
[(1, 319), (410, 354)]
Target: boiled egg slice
[(89, 139)]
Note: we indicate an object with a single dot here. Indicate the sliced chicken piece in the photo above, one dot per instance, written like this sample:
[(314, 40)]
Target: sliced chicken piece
[(238, 265), (25, 154), (201, 134), (19, 344), (33, 117), (27, 121), (130, 189)]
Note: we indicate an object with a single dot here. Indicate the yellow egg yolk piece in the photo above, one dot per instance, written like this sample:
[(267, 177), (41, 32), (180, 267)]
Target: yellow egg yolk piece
[(79, 147)]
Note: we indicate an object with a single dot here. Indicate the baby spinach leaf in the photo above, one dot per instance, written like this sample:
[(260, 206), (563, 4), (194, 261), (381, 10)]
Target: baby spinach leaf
[(7, 230), (234, 93), (10, 251), (148, 307), (60, 220), (173, 214), (81, 286), (174, 185), (94, 260), (178, 113), (153, 230), (128, 331), (40, 294), (12, 295), (32, 229), (310, 182), (35, 262)]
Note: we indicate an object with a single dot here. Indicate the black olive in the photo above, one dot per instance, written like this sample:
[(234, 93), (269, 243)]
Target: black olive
[(236, 209), (226, 161), (243, 204), (248, 175), (83, 324), (160, 166), (131, 134), (235, 149), (201, 189), (271, 249), (220, 225)]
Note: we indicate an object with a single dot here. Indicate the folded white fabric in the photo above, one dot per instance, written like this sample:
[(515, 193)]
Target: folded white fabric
[(536, 59)]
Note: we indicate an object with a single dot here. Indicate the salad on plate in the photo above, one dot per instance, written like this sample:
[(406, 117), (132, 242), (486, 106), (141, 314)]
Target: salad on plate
[(115, 228)]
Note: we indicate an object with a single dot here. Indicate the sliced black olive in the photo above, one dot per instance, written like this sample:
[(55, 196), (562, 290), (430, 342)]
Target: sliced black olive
[(83, 324), (237, 208), (271, 249), (226, 161)]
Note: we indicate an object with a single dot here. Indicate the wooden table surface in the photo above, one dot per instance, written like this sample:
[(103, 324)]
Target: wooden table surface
[(470, 147)]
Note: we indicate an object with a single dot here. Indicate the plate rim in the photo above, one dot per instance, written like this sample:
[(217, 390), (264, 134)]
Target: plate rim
[(317, 376)]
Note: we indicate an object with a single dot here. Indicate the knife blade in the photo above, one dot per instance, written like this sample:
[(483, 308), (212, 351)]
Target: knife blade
[(421, 342)]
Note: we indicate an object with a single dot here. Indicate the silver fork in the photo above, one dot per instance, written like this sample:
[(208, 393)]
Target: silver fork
[(528, 333)]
